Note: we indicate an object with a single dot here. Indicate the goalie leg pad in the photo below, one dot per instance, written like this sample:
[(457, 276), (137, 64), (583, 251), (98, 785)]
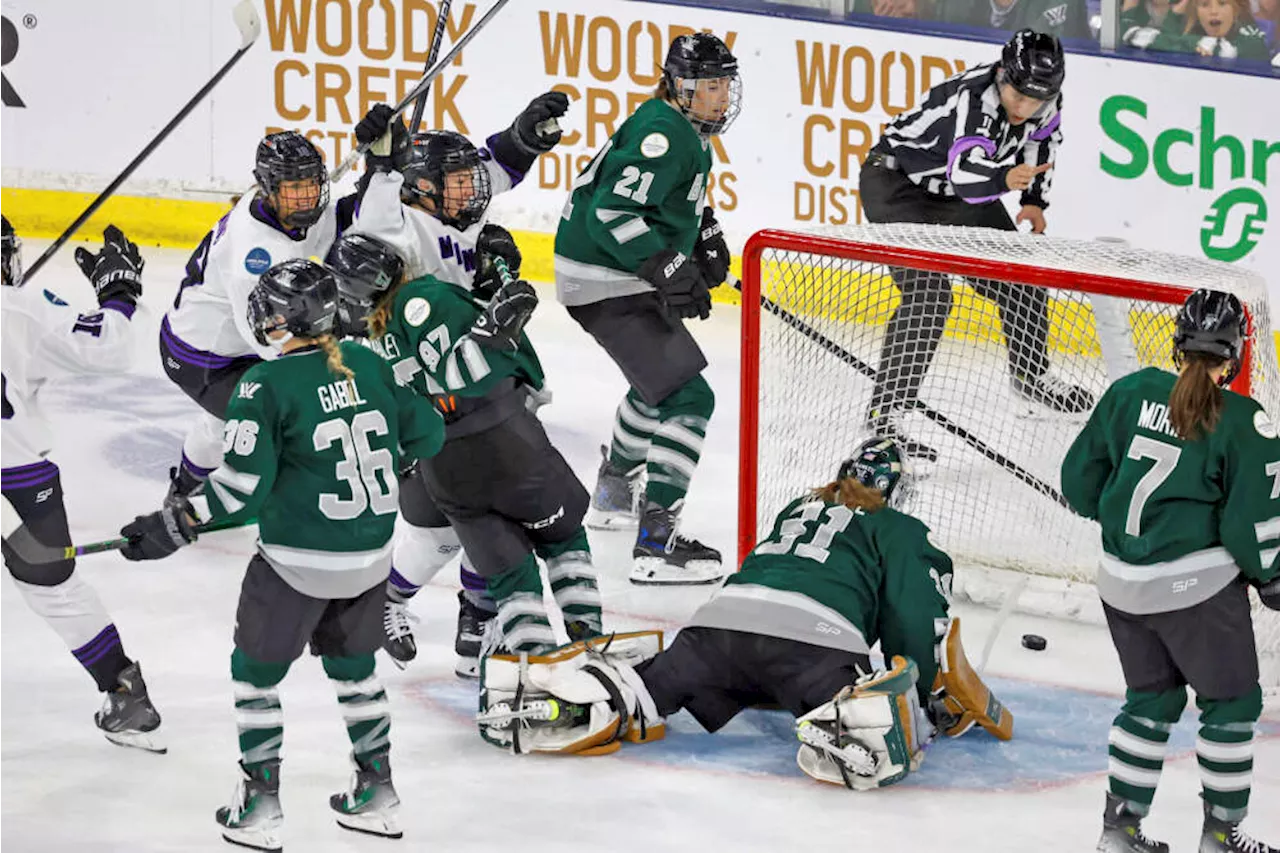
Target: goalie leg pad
[(868, 736), (960, 698)]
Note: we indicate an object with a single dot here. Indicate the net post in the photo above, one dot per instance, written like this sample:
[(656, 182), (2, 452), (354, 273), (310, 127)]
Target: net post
[(749, 395)]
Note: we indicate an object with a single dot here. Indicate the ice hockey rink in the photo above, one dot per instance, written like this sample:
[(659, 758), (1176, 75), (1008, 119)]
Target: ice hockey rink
[(66, 788)]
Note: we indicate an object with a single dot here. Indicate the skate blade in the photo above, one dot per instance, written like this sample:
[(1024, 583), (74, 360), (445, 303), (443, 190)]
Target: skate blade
[(468, 668), (375, 823), (601, 520), (652, 571), (256, 839), (146, 741)]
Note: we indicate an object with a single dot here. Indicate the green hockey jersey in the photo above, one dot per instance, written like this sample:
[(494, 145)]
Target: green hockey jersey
[(1245, 41), (1180, 519), (643, 192), (314, 457), (1061, 18), (841, 578)]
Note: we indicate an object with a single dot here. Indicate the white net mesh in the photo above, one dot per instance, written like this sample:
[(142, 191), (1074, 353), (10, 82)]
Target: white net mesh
[(999, 416)]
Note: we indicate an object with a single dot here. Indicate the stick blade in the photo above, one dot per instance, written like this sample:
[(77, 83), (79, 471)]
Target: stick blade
[(247, 22)]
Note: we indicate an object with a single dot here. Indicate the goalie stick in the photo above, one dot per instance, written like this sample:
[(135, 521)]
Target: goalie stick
[(934, 415), (250, 27), (437, 39)]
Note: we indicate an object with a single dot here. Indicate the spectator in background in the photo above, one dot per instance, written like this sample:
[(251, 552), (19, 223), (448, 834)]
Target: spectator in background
[(1151, 13), (1267, 15), (1208, 27), (1060, 18), (919, 9)]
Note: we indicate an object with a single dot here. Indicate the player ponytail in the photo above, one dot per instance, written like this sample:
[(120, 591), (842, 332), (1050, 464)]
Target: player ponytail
[(381, 313), (334, 357), (852, 493), (1196, 402)]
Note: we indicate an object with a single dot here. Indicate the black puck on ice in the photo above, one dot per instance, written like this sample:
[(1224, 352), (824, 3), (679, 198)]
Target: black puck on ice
[(1034, 642)]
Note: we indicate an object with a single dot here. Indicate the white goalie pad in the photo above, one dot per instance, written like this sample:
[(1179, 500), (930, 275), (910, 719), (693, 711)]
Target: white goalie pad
[(872, 734), (583, 699)]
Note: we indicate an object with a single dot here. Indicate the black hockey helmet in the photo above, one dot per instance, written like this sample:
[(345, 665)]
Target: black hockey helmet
[(298, 296), (459, 188), (290, 156), (702, 56), (1034, 64), (365, 268), (880, 464), (1213, 322), (12, 254)]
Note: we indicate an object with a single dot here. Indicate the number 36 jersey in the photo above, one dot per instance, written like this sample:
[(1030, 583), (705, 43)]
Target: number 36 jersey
[(1180, 519), (315, 457)]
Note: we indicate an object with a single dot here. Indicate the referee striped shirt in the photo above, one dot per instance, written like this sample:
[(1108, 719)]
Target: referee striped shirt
[(958, 141)]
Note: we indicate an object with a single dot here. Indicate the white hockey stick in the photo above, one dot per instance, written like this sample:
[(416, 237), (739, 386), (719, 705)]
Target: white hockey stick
[(1002, 616)]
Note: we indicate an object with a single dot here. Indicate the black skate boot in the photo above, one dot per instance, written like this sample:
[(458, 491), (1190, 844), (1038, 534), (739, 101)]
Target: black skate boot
[(663, 556), (370, 803), (183, 485), (254, 818), (884, 421), (1220, 836), (396, 625), (127, 716), (1122, 831), (472, 624), (1051, 392), (613, 503)]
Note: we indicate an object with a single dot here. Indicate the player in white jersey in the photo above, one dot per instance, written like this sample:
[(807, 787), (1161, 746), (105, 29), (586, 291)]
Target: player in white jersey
[(445, 184), (206, 344), (44, 338)]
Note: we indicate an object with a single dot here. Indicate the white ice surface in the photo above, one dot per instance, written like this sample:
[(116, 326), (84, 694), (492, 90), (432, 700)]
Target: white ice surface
[(65, 788)]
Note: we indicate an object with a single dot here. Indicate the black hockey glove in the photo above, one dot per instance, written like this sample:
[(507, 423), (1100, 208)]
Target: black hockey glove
[(711, 252), (385, 135), (525, 130), (116, 270), (1270, 593), (499, 327), (494, 242), (679, 282), (156, 536)]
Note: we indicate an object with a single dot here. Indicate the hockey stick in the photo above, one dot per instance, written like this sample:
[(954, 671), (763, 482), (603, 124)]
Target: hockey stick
[(423, 86), (32, 550), (1002, 616), (437, 39), (937, 417), (250, 27)]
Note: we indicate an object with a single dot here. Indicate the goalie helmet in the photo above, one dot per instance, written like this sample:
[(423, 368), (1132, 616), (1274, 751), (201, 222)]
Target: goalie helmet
[(880, 464), (1213, 322), (702, 56), (297, 296), (289, 158), (12, 255), (457, 179), (365, 268), (1034, 64)]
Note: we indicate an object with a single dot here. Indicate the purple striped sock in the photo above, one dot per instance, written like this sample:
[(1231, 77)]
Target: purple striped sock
[(99, 647), (472, 581), (405, 587)]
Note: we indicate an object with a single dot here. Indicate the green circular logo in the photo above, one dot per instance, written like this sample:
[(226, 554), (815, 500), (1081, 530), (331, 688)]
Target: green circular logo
[(1237, 215)]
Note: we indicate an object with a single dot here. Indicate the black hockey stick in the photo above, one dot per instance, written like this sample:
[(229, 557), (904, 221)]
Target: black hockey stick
[(250, 27), (932, 414), (437, 39)]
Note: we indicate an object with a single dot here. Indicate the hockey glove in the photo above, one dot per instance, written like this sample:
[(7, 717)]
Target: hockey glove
[(156, 536), (385, 135), (494, 242), (116, 270), (499, 327), (525, 130), (679, 282), (1270, 593), (711, 252)]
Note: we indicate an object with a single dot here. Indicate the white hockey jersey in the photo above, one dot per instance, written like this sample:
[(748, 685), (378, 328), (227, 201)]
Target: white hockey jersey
[(45, 338), (210, 312), (428, 246)]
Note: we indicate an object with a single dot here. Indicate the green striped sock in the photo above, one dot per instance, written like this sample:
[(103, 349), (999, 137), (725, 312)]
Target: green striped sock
[(522, 615), (365, 708), (573, 580), (1136, 747), (633, 426)]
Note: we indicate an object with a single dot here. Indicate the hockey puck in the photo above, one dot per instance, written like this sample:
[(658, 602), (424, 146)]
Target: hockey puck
[(1034, 642)]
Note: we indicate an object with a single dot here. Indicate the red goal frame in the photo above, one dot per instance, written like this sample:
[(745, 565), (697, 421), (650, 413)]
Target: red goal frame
[(762, 241)]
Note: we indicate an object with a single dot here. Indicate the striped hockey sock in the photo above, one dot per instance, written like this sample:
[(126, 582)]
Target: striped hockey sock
[(399, 588), (573, 581), (522, 616), (673, 458), (259, 717), (1137, 749), (1224, 751), (365, 708), (633, 427)]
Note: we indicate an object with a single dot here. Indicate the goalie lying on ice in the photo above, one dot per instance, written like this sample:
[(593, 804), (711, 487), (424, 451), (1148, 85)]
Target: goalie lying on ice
[(841, 569)]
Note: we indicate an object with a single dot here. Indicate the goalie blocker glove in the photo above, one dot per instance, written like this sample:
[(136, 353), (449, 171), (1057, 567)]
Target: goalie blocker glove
[(499, 327), (680, 283), (494, 242), (159, 534), (115, 271), (711, 252)]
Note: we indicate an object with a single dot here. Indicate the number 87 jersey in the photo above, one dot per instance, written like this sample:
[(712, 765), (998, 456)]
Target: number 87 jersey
[(1180, 519), (314, 456)]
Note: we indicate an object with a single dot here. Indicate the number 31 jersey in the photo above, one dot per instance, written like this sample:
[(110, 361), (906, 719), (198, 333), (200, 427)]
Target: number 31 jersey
[(1180, 519), (315, 458)]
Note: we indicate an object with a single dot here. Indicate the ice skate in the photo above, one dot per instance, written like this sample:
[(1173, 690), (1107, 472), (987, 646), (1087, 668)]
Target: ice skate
[(613, 503), (662, 556), (398, 642), (885, 422), (127, 716), (1220, 836), (1051, 392), (472, 622), (1122, 831), (254, 818), (370, 804)]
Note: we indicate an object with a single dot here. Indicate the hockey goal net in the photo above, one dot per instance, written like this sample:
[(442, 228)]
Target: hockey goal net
[(816, 307)]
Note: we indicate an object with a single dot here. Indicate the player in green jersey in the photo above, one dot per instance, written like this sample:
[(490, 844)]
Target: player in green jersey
[(842, 568), (636, 254), (506, 492), (311, 448), (1184, 479)]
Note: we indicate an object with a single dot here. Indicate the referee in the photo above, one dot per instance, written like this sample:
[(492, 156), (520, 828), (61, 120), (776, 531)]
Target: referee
[(989, 130)]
